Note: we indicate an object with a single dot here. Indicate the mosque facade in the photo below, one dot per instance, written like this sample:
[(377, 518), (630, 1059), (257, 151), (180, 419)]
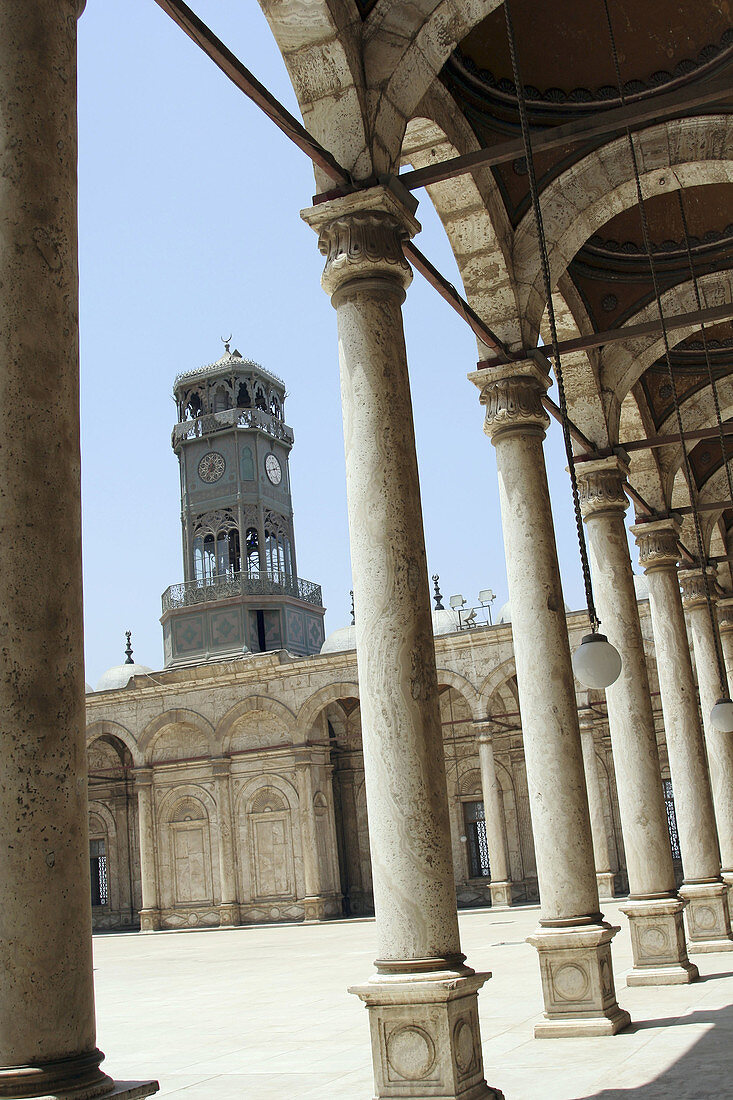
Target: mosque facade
[(229, 787)]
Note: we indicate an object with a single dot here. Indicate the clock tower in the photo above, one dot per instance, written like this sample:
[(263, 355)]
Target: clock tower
[(241, 589)]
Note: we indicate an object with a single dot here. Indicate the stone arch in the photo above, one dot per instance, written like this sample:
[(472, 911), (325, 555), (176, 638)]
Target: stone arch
[(105, 830), (464, 687), (644, 466), (472, 213), (623, 363), (279, 712), (406, 46), (320, 43), (316, 703), (187, 848), (190, 719), (270, 876), (105, 728), (495, 680), (671, 155)]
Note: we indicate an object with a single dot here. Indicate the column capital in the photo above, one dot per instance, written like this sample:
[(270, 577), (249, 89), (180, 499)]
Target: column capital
[(693, 586), (361, 236), (725, 608), (483, 730), (512, 395), (143, 777), (601, 486), (221, 766), (657, 541)]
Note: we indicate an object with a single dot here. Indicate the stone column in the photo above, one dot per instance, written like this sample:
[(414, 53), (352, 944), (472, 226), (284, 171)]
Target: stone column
[(422, 1001), (708, 921), (47, 1025), (719, 745), (228, 905), (725, 630), (653, 908), (314, 903), (573, 941), (500, 884), (150, 912), (601, 849)]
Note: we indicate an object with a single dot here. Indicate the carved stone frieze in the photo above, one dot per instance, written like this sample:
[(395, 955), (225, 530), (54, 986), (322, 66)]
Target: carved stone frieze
[(601, 486), (658, 544)]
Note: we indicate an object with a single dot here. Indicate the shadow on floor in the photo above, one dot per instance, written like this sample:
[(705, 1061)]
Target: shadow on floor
[(704, 1072)]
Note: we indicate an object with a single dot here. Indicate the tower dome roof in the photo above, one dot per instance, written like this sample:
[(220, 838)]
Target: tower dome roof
[(223, 367)]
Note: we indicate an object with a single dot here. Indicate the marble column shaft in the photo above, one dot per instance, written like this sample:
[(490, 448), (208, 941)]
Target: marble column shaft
[(47, 1007), (601, 848), (653, 909), (422, 1001), (496, 839), (228, 909), (719, 745), (708, 920), (150, 913), (572, 932)]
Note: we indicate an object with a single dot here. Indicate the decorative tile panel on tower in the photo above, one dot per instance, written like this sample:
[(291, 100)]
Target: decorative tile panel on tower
[(241, 590)]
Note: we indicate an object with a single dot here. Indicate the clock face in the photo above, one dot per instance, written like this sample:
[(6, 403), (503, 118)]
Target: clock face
[(273, 469), (211, 466)]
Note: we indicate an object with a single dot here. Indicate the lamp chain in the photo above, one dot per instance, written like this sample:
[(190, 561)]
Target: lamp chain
[(537, 209)]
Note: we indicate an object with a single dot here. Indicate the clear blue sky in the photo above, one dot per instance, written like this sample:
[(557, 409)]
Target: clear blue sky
[(189, 230)]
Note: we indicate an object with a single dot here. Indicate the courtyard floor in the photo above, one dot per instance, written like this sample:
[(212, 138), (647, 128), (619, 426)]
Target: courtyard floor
[(262, 1013)]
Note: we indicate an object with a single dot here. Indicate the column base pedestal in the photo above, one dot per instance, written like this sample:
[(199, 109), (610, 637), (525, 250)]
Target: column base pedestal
[(707, 917), (577, 981), (229, 915), (77, 1078), (658, 942), (606, 885), (426, 1043), (501, 894), (149, 920), (321, 907)]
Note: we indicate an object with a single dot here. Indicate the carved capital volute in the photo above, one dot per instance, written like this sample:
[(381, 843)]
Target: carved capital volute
[(601, 486), (693, 586), (361, 236), (658, 543), (512, 396)]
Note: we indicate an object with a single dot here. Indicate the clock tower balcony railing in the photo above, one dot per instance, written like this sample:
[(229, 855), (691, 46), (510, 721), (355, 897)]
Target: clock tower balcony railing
[(227, 585), (209, 423)]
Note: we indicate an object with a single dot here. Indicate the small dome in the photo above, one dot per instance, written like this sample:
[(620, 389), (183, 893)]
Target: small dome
[(88, 689), (641, 585), (120, 676), (338, 641)]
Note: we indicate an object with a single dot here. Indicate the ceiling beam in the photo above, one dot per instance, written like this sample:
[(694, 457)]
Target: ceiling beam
[(715, 506), (698, 317), (664, 440), (682, 101)]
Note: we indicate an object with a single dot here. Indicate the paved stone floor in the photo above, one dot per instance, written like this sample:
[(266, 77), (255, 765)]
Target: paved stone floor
[(263, 1014)]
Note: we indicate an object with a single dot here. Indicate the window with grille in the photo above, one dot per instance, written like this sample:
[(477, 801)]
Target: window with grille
[(478, 849), (98, 866), (671, 819)]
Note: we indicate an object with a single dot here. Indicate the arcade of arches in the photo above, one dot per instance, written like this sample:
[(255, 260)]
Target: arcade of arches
[(253, 829)]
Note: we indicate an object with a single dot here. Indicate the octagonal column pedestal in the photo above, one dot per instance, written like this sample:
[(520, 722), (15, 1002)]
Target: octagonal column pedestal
[(150, 913), (573, 940), (707, 916), (229, 913), (653, 909), (500, 883), (422, 1001), (719, 745), (601, 850), (47, 1025)]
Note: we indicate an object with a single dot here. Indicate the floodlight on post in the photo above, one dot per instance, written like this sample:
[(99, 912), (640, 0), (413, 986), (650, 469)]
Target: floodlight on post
[(486, 597), (457, 602)]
